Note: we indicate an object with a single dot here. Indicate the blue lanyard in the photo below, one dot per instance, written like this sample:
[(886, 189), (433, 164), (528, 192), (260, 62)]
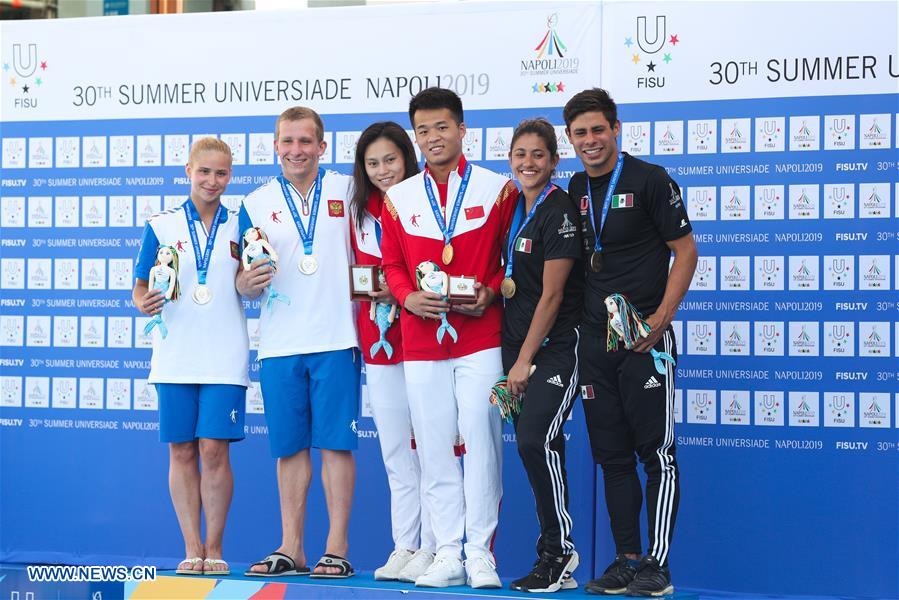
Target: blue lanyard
[(435, 207), (605, 203), (519, 215), (204, 259), (305, 237)]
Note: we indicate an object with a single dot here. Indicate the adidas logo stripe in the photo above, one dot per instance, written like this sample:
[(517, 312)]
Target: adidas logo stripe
[(555, 380), (652, 382)]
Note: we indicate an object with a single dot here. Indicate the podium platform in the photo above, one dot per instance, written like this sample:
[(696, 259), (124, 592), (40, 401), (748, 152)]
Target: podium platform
[(362, 585), (15, 585)]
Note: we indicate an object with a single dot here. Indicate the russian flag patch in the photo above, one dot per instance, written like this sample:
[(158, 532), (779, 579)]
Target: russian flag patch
[(335, 208)]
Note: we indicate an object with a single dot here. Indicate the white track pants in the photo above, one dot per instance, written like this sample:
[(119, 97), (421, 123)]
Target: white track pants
[(443, 395), (390, 409)]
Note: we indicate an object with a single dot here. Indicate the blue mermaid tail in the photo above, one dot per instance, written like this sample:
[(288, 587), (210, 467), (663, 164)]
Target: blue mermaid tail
[(659, 358), (445, 327), (383, 315), (377, 346), (156, 321)]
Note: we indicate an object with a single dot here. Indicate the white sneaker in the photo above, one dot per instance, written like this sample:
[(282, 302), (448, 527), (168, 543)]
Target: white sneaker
[(443, 572), (416, 566), (395, 563), (482, 573)]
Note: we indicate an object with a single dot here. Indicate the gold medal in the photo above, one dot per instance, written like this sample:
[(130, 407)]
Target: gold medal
[(507, 288), (596, 262), (447, 254), (202, 294)]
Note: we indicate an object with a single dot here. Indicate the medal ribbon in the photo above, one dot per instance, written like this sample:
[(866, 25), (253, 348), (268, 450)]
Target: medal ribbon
[(204, 259), (519, 215), (597, 247), (457, 204), (305, 236)]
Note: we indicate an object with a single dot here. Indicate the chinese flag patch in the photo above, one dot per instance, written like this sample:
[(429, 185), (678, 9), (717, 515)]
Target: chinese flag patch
[(335, 208), (587, 392), (474, 212)]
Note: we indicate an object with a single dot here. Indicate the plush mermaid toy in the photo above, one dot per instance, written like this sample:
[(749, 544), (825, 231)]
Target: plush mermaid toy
[(626, 325), (431, 279), (383, 315), (255, 247), (164, 277), (509, 404)]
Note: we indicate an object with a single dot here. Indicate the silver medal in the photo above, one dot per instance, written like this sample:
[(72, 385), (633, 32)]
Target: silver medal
[(308, 265), (202, 294)]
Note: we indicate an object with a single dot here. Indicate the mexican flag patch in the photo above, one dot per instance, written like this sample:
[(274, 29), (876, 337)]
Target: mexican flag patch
[(623, 201), (523, 245)]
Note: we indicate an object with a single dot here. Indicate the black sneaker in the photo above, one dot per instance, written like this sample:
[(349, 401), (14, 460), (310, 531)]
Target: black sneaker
[(550, 574), (616, 577), (652, 579)]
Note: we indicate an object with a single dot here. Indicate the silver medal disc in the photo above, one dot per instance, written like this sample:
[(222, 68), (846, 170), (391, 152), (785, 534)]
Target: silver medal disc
[(202, 294), (308, 265)]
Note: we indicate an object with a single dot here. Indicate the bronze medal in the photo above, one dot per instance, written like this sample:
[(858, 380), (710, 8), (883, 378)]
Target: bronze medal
[(507, 288), (447, 254), (596, 262)]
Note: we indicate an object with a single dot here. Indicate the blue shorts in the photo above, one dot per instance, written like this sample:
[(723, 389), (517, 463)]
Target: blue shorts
[(188, 411), (311, 401)]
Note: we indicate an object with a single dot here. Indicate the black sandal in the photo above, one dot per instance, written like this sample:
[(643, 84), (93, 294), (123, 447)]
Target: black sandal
[(332, 560), (277, 564)]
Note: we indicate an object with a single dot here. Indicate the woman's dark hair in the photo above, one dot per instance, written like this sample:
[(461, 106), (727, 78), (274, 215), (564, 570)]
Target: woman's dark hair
[(362, 185), (541, 128)]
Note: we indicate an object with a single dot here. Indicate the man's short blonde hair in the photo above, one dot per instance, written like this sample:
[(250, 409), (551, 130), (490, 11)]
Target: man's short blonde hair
[(208, 144), (298, 113)]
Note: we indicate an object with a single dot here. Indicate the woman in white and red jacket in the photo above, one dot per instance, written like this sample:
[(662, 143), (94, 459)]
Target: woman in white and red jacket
[(385, 156)]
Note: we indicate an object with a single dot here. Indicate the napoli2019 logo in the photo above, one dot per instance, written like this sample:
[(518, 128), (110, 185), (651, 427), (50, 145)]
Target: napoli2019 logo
[(551, 60), (551, 44)]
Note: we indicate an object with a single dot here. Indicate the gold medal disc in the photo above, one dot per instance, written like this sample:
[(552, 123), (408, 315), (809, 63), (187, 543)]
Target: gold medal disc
[(507, 288), (447, 254)]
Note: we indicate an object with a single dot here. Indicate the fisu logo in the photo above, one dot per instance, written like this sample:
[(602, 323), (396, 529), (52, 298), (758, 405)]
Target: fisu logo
[(839, 125), (770, 405), (651, 46), (769, 342), (839, 340), (702, 333), (635, 133), (23, 68), (839, 268)]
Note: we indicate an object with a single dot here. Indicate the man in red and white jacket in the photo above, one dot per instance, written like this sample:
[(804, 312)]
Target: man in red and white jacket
[(455, 215)]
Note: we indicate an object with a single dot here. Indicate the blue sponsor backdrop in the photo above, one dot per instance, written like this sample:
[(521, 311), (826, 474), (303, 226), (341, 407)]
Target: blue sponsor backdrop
[(787, 384)]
